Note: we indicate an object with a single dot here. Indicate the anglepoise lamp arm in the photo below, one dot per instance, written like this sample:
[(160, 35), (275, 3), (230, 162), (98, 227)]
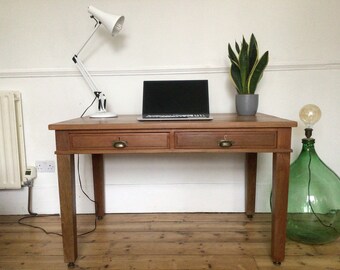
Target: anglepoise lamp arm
[(86, 75), (114, 25), (101, 97)]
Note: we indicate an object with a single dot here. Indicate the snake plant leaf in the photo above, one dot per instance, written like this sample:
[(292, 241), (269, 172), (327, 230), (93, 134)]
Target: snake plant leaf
[(252, 51), (244, 43), (236, 77), (244, 66), (237, 47), (232, 56), (257, 72)]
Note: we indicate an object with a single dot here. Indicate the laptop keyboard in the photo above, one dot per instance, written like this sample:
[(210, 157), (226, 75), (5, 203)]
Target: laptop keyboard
[(176, 116)]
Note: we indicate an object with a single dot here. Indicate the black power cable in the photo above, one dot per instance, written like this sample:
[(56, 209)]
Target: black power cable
[(88, 107), (309, 196), (35, 215)]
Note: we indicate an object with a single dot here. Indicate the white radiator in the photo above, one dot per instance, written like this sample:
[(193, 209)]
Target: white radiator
[(12, 147)]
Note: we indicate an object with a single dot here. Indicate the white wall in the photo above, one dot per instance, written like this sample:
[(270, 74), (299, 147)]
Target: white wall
[(167, 39)]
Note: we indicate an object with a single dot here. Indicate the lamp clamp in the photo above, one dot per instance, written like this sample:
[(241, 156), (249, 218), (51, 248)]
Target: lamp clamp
[(97, 21)]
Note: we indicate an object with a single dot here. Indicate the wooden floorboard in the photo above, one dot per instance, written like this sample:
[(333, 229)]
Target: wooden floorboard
[(159, 241)]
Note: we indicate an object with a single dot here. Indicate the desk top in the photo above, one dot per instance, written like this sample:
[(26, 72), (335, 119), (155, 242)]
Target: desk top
[(131, 122)]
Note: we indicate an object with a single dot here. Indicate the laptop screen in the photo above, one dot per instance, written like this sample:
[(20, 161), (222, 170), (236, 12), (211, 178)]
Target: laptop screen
[(175, 97)]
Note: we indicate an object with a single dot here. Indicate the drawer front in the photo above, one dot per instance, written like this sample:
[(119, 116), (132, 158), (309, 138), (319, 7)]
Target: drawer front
[(225, 140), (119, 141)]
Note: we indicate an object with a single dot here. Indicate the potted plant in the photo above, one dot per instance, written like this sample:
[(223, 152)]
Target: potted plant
[(246, 71)]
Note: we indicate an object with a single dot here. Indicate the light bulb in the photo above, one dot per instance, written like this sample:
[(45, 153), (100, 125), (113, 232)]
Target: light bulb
[(310, 114)]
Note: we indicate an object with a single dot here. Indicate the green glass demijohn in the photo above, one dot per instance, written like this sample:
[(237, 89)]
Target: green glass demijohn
[(314, 192)]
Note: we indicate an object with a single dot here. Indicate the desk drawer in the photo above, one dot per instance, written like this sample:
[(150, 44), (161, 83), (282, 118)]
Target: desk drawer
[(224, 140), (119, 141)]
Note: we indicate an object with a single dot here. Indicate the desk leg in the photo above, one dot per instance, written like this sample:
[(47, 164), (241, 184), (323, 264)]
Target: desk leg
[(98, 183), (67, 197), (251, 168), (281, 165)]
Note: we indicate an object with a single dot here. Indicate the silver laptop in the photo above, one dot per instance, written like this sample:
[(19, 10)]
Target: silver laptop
[(175, 100)]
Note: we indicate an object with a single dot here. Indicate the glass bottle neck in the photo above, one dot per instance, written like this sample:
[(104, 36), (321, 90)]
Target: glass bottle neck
[(308, 144)]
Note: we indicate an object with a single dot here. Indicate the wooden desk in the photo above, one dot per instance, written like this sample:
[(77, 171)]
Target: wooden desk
[(227, 133)]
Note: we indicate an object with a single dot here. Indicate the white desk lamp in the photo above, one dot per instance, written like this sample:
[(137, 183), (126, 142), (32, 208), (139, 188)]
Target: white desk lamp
[(113, 24)]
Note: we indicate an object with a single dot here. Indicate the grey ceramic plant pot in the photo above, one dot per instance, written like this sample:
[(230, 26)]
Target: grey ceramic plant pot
[(247, 104)]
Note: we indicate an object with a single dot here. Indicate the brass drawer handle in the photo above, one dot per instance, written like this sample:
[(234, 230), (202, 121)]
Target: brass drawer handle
[(119, 144), (225, 143)]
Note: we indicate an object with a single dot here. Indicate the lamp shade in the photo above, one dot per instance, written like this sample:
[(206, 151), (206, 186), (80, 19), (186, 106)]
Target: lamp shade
[(112, 23)]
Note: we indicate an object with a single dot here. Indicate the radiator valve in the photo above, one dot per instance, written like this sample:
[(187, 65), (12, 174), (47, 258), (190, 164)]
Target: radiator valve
[(30, 175)]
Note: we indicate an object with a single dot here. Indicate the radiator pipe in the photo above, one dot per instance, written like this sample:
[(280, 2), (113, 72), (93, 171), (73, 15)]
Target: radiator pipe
[(29, 206)]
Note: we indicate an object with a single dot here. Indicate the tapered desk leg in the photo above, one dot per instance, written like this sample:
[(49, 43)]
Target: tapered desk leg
[(68, 206), (281, 163), (251, 168), (98, 183)]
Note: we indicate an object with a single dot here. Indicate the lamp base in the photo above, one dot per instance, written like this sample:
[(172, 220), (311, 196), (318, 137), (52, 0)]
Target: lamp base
[(103, 115)]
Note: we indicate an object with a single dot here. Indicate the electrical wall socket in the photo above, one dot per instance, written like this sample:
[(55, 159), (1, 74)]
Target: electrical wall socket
[(45, 166)]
